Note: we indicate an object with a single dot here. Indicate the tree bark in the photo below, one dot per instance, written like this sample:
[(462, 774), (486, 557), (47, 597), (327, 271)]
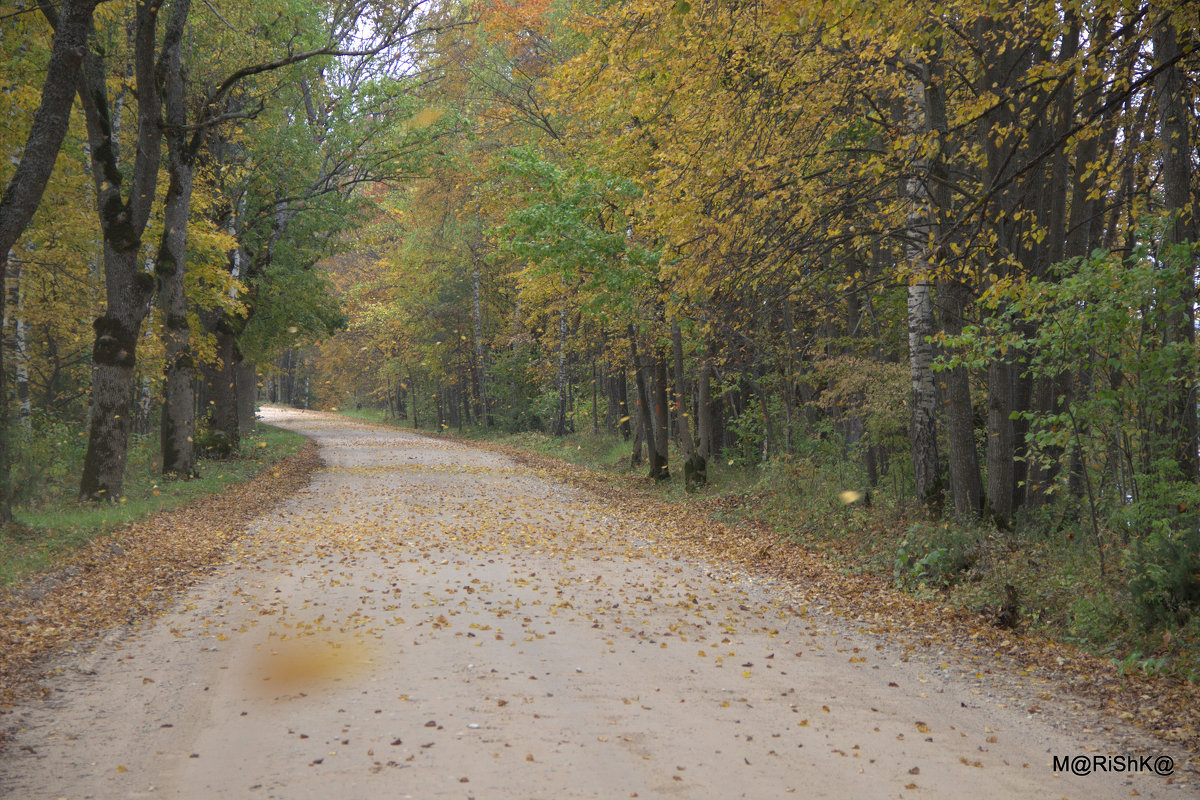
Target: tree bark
[(247, 395), (966, 488), (1000, 442), (1177, 428), (221, 381), (16, 345), (559, 426), (128, 289), (681, 393), (922, 428), (643, 403), (622, 382), (178, 423), (477, 318), (704, 414), (72, 24), (658, 463)]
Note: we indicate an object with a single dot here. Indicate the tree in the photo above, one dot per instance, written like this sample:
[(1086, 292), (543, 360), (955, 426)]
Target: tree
[(24, 189), (124, 207)]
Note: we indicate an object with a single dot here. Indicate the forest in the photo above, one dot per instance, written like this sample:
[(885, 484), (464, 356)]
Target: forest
[(926, 270)]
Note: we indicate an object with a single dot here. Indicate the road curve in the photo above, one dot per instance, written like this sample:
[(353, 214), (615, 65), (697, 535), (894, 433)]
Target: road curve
[(429, 620)]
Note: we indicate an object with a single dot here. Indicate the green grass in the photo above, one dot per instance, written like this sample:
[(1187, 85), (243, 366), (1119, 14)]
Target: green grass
[(57, 523)]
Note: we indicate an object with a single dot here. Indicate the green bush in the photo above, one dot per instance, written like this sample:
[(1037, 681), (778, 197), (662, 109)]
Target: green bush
[(934, 555), (1165, 576), (46, 460)]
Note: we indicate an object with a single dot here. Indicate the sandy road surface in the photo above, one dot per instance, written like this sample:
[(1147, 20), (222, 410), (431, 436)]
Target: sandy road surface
[(432, 621)]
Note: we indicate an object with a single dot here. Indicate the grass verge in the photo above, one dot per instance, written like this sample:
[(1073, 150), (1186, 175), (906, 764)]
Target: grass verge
[(61, 524)]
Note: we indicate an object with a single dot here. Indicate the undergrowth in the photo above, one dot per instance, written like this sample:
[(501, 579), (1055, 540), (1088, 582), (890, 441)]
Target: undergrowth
[(51, 522)]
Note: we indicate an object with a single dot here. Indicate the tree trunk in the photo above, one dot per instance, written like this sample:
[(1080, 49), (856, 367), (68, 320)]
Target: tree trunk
[(922, 428), (114, 357), (414, 394), (1177, 428), (23, 193), (966, 487), (559, 426), (16, 345), (178, 424), (635, 457), (128, 290), (681, 393), (1000, 442), (612, 403), (247, 395), (643, 403), (595, 398), (221, 380), (704, 412), (623, 424), (658, 462), (480, 362)]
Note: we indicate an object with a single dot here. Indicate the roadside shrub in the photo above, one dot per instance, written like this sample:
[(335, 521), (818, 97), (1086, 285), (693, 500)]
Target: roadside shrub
[(46, 460), (1165, 576), (934, 555)]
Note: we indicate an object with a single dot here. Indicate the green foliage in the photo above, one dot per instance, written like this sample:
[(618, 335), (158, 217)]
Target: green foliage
[(934, 555), (572, 223), (1165, 576), (1102, 327), (46, 460), (54, 522), (749, 430)]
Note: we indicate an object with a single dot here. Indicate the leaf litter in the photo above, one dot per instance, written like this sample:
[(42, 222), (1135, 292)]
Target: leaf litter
[(131, 574), (1164, 707)]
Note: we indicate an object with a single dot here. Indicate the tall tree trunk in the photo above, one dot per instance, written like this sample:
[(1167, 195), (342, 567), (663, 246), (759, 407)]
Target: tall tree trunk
[(966, 487), (559, 426), (922, 428), (221, 380), (595, 398), (113, 360), (16, 344), (623, 424), (178, 423), (480, 361), (635, 456), (1000, 442), (704, 412), (1011, 182), (128, 290), (643, 403), (1177, 428), (658, 462), (414, 394), (612, 405), (72, 24), (681, 393), (247, 395)]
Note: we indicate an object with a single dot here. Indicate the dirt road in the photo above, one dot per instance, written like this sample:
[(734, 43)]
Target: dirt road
[(432, 621)]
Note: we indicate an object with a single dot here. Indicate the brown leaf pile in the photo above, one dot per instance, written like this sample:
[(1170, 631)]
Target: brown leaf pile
[(131, 573), (1164, 707)]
